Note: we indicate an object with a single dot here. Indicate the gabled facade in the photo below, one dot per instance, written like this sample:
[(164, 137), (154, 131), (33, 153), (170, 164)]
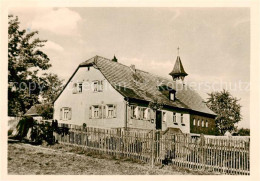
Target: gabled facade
[(106, 94)]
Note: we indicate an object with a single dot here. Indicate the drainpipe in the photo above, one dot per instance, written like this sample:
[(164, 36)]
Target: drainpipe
[(126, 113)]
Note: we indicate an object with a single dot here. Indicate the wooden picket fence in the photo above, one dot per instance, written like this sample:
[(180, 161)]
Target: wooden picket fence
[(225, 155)]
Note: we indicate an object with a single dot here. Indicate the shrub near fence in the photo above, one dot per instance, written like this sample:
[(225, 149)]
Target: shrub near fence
[(228, 156)]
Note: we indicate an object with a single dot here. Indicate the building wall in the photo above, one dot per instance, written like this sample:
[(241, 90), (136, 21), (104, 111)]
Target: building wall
[(210, 130), (148, 124), (80, 102), (169, 121)]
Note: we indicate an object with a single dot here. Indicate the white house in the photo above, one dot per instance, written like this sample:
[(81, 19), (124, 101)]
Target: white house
[(106, 94)]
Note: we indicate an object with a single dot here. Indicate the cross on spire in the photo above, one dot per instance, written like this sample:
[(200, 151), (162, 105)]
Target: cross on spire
[(178, 49)]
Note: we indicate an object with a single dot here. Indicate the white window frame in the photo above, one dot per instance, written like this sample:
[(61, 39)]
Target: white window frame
[(142, 113), (100, 86), (174, 118), (79, 88), (207, 124), (164, 116), (95, 112), (110, 111), (194, 122), (202, 123), (95, 86), (147, 114), (182, 121), (66, 113), (133, 111), (198, 124), (172, 96)]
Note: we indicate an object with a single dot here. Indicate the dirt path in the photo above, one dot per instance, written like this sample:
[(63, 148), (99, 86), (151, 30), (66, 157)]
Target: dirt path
[(27, 159)]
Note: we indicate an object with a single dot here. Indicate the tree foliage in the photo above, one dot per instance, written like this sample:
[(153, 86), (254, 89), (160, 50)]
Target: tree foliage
[(243, 132), (227, 109), (26, 63), (45, 110), (52, 87), (25, 60)]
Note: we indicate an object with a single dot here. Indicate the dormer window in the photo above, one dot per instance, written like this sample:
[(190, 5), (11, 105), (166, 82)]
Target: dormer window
[(172, 96)]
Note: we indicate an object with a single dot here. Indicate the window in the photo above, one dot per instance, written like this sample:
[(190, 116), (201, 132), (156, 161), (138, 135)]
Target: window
[(65, 113), (142, 113), (95, 112), (174, 118), (182, 120), (147, 114), (133, 111), (194, 122), (207, 124), (98, 86), (198, 122), (110, 111), (95, 86), (202, 123), (79, 87), (171, 96), (164, 116)]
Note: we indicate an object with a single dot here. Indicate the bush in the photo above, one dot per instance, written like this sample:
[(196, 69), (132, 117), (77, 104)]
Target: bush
[(23, 126), (39, 131)]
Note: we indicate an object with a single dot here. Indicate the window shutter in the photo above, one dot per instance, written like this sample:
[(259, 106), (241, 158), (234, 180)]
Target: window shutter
[(129, 116), (114, 111), (90, 112), (100, 87), (70, 114), (139, 113), (74, 90), (60, 113), (148, 113), (100, 111), (152, 115), (104, 111)]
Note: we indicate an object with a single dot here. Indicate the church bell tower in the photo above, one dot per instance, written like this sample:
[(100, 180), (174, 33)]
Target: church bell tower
[(178, 71)]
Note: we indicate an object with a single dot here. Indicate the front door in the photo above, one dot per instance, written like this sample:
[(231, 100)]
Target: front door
[(158, 119)]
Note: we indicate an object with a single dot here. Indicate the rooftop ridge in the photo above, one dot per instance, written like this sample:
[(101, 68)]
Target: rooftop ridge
[(155, 75)]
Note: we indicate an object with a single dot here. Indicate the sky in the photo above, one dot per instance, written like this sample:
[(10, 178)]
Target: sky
[(214, 42)]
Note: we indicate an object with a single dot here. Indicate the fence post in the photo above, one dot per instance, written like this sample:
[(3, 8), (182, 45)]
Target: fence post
[(152, 145)]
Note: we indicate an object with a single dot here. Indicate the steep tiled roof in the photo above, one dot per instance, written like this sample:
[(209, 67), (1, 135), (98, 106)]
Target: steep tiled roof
[(142, 85), (33, 110)]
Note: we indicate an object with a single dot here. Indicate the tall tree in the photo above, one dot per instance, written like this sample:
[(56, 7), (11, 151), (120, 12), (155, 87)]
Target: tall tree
[(25, 60), (227, 109), (52, 87)]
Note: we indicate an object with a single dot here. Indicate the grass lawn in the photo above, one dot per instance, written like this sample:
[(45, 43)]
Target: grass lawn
[(26, 159)]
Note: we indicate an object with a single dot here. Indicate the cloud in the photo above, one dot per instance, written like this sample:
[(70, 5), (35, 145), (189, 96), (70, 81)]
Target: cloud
[(50, 45), (62, 21)]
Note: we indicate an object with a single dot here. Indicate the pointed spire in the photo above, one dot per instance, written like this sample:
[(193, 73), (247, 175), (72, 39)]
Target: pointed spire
[(114, 59), (178, 71)]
